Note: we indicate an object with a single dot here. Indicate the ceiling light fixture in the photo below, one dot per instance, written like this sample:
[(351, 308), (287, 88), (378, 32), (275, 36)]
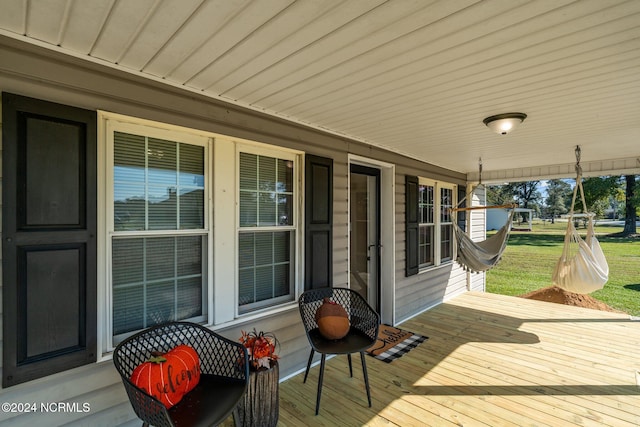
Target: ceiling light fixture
[(504, 123)]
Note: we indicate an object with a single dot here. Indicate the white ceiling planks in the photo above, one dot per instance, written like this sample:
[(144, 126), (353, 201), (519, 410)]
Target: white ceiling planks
[(275, 39), (414, 76)]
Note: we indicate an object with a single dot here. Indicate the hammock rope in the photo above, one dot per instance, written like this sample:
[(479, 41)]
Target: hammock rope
[(582, 267)]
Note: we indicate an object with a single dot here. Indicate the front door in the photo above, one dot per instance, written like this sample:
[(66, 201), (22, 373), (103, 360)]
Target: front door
[(364, 226)]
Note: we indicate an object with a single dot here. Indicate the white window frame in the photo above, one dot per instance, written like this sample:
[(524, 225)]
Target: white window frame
[(437, 224), (221, 219), (296, 227), (109, 124)]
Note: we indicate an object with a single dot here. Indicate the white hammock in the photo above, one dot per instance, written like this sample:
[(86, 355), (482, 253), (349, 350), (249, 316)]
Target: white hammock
[(582, 268), (483, 255)]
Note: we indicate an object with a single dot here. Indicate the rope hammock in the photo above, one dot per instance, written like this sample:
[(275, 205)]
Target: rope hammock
[(582, 268), (483, 255)]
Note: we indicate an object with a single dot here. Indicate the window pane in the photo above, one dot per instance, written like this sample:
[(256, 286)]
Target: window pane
[(425, 245), (191, 209), (446, 204), (190, 255), (129, 207), (162, 163), (285, 209), (162, 208), (160, 303), (264, 283), (426, 204), (127, 261), (281, 247), (129, 182), (266, 174), (160, 257), (263, 248), (246, 286), (266, 191), (191, 184), (248, 172), (189, 297), (446, 242), (266, 267), (191, 166), (157, 279), (267, 210), (285, 176), (282, 278), (158, 184), (246, 243), (248, 209), (128, 157), (128, 314)]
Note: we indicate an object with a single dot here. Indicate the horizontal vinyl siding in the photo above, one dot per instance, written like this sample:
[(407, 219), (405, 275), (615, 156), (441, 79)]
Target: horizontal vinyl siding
[(340, 221), (417, 293), (41, 74), (99, 384), (478, 233)]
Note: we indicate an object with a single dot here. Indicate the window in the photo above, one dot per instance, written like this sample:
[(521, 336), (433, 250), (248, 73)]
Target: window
[(267, 228), (426, 207), (159, 227), (446, 224), (435, 228)]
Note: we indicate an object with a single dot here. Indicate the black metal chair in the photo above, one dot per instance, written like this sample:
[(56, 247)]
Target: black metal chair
[(363, 331), (224, 374)]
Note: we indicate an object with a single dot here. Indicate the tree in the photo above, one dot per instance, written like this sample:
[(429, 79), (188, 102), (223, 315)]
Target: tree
[(527, 194), (595, 190), (499, 194), (632, 201), (558, 191)]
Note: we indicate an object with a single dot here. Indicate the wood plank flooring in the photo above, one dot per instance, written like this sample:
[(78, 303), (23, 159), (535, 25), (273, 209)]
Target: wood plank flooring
[(490, 360)]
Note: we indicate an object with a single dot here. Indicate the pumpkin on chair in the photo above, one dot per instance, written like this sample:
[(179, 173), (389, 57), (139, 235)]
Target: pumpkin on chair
[(168, 377), (332, 320)]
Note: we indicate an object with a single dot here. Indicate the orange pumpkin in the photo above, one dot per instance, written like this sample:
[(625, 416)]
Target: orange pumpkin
[(168, 377), (332, 320)]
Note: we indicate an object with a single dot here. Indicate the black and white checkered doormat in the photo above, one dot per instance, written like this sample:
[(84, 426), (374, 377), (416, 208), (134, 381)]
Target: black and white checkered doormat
[(401, 348)]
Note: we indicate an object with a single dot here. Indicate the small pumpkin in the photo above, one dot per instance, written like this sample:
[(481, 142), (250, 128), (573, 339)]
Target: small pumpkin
[(169, 376), (332, 320)]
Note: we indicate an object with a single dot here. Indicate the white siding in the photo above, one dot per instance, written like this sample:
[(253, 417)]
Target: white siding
[(477, 281), (31, 72)]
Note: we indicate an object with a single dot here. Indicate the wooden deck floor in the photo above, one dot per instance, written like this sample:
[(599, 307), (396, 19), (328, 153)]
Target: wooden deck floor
[(490, 360)]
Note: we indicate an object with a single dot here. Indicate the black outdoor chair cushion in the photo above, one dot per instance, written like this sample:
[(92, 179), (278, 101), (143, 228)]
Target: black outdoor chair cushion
[(210, 400), (224, 367)]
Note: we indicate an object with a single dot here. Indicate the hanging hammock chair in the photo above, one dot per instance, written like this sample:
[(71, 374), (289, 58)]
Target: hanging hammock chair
[(582, 268), (483, 255)]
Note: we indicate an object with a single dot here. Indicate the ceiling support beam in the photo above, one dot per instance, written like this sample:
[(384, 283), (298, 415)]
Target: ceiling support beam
[(628, 166)]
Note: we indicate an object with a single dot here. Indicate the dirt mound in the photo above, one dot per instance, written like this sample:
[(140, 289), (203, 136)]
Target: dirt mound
[(560, 296)]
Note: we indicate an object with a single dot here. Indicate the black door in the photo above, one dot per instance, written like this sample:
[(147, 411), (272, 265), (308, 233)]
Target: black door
[(49, 244)]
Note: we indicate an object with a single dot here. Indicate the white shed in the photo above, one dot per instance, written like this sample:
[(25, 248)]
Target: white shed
[(497, 217)]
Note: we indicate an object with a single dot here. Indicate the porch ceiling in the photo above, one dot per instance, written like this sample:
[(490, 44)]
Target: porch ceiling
[(413, 76)]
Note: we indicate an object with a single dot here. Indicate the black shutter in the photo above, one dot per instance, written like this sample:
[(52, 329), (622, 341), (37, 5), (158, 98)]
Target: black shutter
[(49, 246), (411, 224), (318, 222)]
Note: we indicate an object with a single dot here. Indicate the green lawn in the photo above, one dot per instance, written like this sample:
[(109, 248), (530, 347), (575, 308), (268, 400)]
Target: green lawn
[(530, 258)]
